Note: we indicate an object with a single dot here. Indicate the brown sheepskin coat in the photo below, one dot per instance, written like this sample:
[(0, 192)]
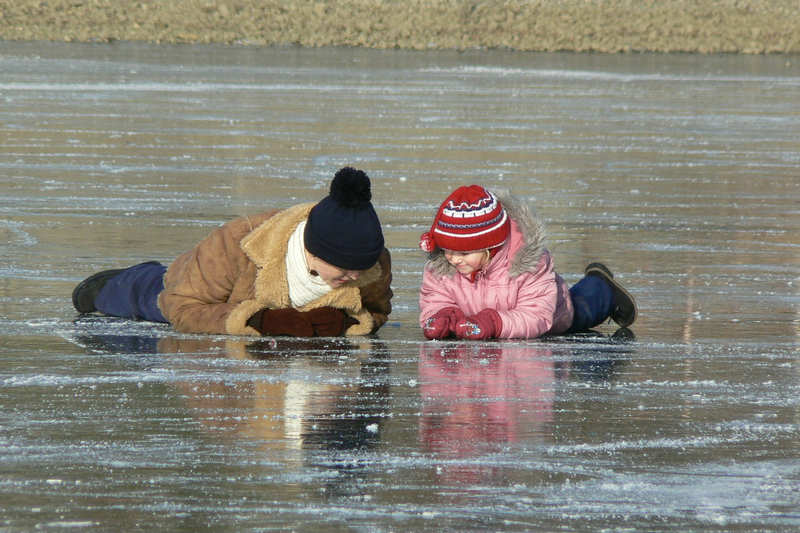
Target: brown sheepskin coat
[(240, 268)]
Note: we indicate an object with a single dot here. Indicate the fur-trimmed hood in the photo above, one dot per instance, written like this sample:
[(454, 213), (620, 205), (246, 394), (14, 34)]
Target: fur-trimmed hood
[(523, 255)]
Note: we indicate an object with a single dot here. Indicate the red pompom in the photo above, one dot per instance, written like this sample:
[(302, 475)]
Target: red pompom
[(426, 242)]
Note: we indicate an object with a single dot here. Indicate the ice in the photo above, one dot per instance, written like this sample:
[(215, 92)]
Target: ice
[(678, 171)]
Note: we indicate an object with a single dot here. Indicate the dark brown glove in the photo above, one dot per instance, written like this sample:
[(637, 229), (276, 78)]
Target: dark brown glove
[(320, 322), (327, 321), (282, 322)]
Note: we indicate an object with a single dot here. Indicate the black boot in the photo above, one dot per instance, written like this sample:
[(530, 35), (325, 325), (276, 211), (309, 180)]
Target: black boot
[(624, 311), (87, 290)]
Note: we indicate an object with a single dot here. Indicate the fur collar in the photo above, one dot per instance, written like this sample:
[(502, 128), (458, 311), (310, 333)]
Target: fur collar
[(522, 259), (266, 247)]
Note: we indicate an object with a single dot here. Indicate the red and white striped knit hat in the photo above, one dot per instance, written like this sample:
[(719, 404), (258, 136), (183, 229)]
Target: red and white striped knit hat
[(470, 219)]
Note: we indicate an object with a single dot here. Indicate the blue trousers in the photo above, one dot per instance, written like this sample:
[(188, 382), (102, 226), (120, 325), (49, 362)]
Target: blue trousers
[(593, 301), (133, 293)]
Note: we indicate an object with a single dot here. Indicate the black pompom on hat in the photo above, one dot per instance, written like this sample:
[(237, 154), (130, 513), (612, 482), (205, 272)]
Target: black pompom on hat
[(343, 228)]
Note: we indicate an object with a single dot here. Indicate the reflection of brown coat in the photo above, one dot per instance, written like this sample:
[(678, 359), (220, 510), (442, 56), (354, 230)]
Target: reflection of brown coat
[(240, 268)]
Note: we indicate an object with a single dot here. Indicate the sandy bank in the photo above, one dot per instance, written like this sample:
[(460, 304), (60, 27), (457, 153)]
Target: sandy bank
[(706, 26)]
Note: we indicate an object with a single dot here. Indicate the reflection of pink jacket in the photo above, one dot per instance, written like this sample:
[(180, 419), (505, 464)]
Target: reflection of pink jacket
[(519, 283), (477, 398)]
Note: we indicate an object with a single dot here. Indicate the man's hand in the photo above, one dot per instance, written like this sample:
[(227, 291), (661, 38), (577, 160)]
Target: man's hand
[(328, 321), (320, 322)]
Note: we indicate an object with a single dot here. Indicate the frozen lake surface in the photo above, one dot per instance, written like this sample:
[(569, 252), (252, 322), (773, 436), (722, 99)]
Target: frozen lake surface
[(682, 173)]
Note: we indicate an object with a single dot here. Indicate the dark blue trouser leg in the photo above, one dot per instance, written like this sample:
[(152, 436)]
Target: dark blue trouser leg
[(133, 293), (593, 301)]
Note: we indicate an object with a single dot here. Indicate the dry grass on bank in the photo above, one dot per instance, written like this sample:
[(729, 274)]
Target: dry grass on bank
[(706, 26)]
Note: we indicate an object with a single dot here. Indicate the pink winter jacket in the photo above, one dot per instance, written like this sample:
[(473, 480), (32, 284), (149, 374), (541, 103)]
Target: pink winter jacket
[(519, 283)]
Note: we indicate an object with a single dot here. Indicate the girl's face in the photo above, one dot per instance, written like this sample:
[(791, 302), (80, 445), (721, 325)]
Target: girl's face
[(333, 275), (467, 262)]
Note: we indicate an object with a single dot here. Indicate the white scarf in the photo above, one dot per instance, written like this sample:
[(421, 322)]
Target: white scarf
[(303, 287)]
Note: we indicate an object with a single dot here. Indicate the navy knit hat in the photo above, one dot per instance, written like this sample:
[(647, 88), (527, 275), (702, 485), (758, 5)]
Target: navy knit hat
[(343, 228)]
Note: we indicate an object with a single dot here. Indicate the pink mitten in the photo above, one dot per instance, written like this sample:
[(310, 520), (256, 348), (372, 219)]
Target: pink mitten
[(483, 325), (442, 324)]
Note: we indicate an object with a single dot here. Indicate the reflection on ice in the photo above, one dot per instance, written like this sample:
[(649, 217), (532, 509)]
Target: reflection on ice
[(290, 393), (481, 399)]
